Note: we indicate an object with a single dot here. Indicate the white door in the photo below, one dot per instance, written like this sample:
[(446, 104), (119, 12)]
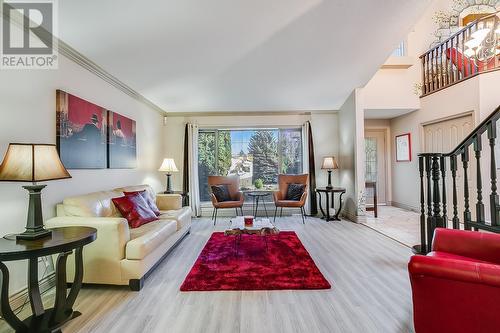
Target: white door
[(442, 137), (375, 160)]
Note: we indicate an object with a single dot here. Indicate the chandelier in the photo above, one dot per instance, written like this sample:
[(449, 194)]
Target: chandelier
[(483, 45)]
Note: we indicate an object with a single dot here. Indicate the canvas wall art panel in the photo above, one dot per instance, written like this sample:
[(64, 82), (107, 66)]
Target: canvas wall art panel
[(81, 132), (122, 150)]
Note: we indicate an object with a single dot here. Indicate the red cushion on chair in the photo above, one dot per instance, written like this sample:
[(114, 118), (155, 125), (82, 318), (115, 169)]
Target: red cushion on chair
[(149, 200), (135, 209)]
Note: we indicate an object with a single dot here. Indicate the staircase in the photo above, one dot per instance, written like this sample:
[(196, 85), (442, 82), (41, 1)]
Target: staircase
[(473, 50), (438, 176)]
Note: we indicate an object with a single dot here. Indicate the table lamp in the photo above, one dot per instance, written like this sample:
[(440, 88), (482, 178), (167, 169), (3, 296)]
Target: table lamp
[(168, 166), (329, 164), (28, 162)]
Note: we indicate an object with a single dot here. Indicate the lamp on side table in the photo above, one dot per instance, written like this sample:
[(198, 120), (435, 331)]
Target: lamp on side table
[(168, 166), (28, 162), (329, 164)]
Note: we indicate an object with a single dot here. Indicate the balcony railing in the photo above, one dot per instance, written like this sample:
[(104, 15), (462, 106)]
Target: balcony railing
[(473, 50), (453, 176)]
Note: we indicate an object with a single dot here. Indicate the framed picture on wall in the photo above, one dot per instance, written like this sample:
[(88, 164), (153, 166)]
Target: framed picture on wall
[(122, 151), (81, 132), (403, 148)]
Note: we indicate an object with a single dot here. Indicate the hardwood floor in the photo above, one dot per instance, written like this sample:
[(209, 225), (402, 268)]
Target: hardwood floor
[(370, 290)]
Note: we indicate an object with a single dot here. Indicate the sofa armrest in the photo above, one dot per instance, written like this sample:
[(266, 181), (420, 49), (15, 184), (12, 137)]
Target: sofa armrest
[(453, 269), (472, 244), (112, 234), (277, 196), (169, 201)]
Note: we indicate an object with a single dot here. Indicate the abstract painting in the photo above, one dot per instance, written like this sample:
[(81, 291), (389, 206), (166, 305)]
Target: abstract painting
[(81, 132), (122, 152)]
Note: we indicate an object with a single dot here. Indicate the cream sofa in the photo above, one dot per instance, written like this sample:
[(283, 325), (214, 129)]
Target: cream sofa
[(121, 255)]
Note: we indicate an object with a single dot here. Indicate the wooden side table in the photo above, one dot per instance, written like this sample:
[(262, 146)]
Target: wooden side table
[(62, 241), (373, 185), (330, 201)]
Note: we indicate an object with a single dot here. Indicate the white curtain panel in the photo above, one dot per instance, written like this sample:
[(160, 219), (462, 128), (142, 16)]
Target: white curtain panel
[(305, 160), (194, 188)]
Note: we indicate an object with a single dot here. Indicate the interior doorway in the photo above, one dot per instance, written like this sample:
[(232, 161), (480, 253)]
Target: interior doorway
[(376, 163)]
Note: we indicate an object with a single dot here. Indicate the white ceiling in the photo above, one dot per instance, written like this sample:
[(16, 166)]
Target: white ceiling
[(246, 55)]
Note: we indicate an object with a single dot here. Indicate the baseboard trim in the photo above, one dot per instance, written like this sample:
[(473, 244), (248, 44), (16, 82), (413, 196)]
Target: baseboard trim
[(405, 206), (18, 299)]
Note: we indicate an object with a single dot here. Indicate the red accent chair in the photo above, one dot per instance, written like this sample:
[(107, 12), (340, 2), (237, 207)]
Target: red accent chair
[(456, 287)]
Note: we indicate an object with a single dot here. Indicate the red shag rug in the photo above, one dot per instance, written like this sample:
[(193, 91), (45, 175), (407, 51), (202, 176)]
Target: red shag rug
[(285, 264)]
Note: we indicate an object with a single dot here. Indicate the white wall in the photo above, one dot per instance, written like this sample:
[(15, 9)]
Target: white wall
[(478, 95), (27, 106), (324, 128), (351, 154)]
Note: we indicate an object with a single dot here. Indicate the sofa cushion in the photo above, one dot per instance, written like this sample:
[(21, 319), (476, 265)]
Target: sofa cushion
[(221, 192), (182, 216), (148, 198), (135, 209), (146, 238), (294, 191), (136, 188), (97, 204)]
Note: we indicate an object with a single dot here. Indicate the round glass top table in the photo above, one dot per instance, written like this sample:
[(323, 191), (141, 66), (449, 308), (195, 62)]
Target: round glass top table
[(257, 196)]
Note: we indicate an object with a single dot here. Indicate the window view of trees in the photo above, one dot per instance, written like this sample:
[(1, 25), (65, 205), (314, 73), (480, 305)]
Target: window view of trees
[(256, 156)]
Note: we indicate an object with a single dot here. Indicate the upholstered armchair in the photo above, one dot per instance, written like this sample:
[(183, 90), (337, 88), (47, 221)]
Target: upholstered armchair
[(281, 199), (456, 286), (235, 197)]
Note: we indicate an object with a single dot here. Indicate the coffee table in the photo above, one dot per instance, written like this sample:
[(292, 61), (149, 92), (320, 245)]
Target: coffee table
[(261, 227)]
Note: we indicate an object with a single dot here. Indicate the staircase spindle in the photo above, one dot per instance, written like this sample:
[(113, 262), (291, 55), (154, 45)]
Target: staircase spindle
[(422, 205), (494, 209), (429, 200), (435, 220), (442, 164), (453, 166), (479, 203), (467, 214)]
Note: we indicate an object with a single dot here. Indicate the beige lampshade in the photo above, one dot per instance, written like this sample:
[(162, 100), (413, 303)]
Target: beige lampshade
[(168, 165), (329, 163), (27, 162)]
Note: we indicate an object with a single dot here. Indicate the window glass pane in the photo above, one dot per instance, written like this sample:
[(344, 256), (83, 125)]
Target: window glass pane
[(256, 156), (291, 151), (206, 162), (371, 159)]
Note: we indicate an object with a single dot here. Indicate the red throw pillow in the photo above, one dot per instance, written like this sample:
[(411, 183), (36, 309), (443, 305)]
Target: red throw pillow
[(135, 209), (149, 200)]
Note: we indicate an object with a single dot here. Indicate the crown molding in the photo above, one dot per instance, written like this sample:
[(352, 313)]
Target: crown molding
[(249, 113), (84, 62)]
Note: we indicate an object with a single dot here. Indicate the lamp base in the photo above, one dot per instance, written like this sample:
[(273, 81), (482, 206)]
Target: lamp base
[(32, 235), (329, 186), (34, 224), (168, 190)]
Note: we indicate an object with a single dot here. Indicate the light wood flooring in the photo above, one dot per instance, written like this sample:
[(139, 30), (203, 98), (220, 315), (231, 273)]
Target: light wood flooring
[(370, 290)]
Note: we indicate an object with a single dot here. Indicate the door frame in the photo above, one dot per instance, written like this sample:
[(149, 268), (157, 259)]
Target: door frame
[(388, 167)]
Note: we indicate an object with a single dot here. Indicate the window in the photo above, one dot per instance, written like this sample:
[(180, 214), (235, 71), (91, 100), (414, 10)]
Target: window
[(370, 159), (400, 51), (257, 156)]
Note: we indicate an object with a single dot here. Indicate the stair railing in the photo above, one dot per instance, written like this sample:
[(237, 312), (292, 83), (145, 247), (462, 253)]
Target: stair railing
[(450, 62), (435, 212)]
